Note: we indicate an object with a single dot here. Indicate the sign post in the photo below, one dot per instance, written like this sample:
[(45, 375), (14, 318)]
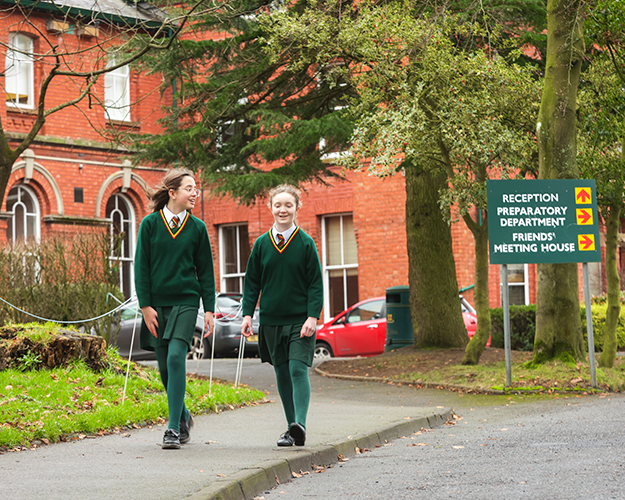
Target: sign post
[(543, 221)]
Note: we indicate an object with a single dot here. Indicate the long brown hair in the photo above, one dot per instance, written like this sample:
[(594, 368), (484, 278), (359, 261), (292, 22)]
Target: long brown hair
[(159, 196)]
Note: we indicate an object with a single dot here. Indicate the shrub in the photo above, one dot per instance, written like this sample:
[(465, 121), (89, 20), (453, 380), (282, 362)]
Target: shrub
[(60, 280), (522, 327), (598, 325)]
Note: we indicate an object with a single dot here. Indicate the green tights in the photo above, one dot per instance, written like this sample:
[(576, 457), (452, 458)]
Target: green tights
[(172, 361), (294, 388)]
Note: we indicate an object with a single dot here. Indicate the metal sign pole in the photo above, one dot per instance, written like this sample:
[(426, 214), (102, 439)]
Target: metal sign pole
[(589, 330), (506, 322)]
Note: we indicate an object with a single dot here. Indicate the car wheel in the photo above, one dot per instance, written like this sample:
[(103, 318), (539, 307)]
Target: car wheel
[(322, 350), (198, 347)]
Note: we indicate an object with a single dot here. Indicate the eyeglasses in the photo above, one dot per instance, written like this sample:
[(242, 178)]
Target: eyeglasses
[(191, 190)]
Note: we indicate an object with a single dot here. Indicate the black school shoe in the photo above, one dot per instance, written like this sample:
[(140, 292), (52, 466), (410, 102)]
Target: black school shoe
[(171, 440), (285, 439), (298, 433), (186, 424)]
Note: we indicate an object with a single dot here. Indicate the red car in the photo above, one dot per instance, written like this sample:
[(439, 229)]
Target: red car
[(361, 329)]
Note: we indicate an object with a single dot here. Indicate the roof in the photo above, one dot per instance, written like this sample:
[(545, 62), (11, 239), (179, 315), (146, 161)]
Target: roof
[(115, 11)]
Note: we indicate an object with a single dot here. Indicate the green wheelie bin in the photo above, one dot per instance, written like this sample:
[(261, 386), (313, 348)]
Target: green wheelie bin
[(399, 331)]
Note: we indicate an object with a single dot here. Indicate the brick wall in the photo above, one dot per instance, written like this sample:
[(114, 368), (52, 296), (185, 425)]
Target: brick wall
[(71, 152)]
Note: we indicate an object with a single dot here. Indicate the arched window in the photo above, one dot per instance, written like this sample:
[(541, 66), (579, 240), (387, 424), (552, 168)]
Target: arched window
[(24, 223), (122, 216), (19, 75)]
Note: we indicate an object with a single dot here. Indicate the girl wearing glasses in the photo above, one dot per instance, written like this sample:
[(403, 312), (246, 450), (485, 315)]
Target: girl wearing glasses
[(284, 270), (173, 271)]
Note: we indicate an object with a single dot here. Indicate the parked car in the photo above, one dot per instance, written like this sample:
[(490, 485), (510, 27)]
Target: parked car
[(469, 314), (358, 331), (361, 329), (227, 333)]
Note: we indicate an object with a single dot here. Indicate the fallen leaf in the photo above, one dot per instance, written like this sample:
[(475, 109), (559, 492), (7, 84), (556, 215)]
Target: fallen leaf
[(576, 380), (221, 475), (418, 444), (295, 474), (458, 447)]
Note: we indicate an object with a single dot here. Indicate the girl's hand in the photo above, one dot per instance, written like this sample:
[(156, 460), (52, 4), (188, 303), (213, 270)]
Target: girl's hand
[(309, 327), (150, 316), (209, 324), (246, 326)]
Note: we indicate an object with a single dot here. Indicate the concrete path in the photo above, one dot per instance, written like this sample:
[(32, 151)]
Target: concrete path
[(232, 455)]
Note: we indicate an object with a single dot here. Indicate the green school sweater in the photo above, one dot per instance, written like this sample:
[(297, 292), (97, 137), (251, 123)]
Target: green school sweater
[(289, 281), (174, 267)]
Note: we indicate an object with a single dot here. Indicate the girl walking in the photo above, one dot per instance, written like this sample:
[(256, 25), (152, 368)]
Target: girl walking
[(173, 271), (284, 266)]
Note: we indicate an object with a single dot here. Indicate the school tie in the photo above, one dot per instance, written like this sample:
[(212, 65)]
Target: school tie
[(175, 221), (280, 240)]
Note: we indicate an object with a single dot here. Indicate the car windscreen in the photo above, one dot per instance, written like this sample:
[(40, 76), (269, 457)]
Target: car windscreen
[(227, 303), (129, 312)]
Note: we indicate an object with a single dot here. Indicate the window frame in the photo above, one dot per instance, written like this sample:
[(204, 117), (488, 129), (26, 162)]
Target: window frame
[(241, 266), (525, 283), (36, 214), (326, 268), (23, 59), (113, 109), (129, 243)]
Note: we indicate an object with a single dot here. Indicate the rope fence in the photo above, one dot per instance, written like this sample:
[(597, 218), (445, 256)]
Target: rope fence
[(223, 320)]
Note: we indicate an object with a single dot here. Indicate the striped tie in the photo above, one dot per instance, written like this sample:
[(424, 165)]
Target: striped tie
[(280, 241), (175, 221)]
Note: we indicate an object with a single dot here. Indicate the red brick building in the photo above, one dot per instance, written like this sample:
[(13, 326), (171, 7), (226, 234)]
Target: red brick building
[(71, 180)]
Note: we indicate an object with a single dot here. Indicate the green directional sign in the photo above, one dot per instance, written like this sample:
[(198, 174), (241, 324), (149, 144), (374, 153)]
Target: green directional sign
[(543, 221)]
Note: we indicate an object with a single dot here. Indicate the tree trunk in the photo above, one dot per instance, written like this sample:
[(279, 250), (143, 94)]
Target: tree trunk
[(434, 301), (7, 159), (558, 322), (614, 289), (477, 344)]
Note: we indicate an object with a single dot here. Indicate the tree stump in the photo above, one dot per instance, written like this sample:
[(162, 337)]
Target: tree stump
[(61, 349)]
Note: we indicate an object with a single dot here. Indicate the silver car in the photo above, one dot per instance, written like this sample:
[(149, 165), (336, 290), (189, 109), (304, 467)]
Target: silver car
[(227, 335)]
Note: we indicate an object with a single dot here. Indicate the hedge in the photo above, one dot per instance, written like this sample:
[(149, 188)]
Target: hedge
[(523, 327)]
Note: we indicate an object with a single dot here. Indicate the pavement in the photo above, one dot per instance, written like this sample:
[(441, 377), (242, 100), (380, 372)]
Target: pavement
[(232, 455)]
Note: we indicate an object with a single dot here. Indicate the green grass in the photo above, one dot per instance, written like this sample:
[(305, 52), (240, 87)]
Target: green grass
[(61, 404), (443, 368), (38, 333), (553, 376)]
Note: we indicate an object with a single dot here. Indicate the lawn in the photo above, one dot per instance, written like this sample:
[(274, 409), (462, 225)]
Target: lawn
[(441, 368), (49, 405)]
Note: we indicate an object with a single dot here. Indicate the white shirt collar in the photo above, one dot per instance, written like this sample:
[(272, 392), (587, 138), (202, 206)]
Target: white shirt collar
[(169, 215), (286, 234)]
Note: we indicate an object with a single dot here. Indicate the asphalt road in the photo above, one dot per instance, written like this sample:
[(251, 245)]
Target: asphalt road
[(565, 448), (500, 447)]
